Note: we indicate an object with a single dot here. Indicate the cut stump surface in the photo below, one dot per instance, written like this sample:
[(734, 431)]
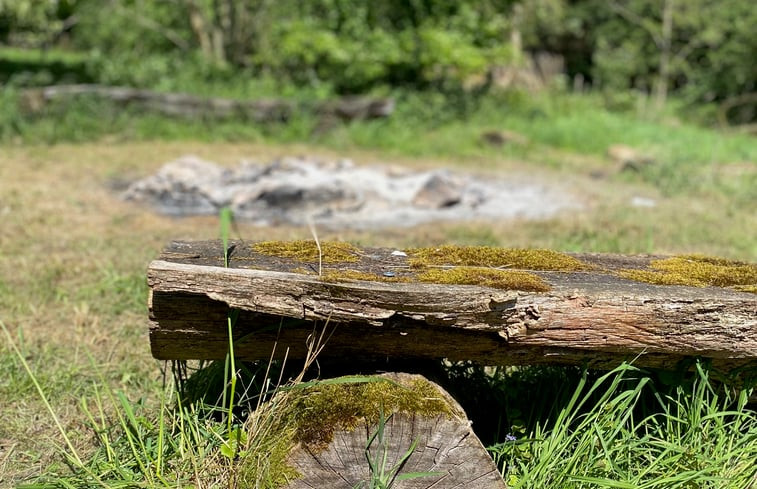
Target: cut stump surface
[(446, 450)]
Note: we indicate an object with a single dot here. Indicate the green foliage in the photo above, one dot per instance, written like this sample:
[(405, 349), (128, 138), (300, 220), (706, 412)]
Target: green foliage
[(695, 49), (132, 42), (31, 67), (623, 431), (706, 46), (355, 45), (33, 23)]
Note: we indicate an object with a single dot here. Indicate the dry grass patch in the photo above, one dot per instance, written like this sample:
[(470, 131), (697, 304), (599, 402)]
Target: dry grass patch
[(73, 257)]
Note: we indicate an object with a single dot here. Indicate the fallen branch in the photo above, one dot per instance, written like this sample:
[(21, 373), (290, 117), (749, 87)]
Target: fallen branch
[(192, 106)]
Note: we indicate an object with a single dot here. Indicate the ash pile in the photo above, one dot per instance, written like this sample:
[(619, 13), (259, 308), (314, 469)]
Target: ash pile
[(339, 194)]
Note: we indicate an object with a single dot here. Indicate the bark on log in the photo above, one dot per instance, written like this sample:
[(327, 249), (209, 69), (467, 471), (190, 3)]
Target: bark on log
[(445, 448), (185, 105), (589, 317)]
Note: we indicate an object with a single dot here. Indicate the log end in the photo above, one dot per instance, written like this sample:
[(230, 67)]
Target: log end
[(411, 425)]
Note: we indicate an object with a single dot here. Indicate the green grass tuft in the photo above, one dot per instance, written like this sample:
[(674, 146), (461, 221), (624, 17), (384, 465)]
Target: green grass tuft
[(700, 435)]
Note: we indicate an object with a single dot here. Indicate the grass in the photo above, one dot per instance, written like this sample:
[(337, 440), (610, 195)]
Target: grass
[(627, 428), (563, 131), (72, 291), (622, 432), (72, 261), (383, 476)]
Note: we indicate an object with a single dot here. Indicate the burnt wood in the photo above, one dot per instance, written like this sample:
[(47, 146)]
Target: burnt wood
[(592, 318)]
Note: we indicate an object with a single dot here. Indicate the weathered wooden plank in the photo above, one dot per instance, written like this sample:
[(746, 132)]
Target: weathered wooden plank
[(590, 316)]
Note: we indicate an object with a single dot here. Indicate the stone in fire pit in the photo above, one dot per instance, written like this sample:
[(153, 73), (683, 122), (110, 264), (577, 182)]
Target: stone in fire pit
[(339, 194)]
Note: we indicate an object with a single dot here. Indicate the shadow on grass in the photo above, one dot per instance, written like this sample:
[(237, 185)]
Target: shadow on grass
[(502, 402)]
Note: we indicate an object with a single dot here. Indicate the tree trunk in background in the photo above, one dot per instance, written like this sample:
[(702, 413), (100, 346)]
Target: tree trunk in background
[(221, 26), (209, 29), (199, 28), (662, 36), (226, 30), (664, 44)]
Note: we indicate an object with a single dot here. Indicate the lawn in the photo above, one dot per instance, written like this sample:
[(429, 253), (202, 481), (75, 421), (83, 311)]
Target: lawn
[(73, 259)]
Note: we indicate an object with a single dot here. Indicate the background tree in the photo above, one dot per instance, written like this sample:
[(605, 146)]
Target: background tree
[(36, 24), (697, 50)]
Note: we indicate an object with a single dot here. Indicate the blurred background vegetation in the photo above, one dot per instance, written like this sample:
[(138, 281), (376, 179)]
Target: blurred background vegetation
[(700, 53)]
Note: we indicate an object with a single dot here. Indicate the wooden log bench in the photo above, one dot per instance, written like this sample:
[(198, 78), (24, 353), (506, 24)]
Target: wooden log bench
[(487, 305)]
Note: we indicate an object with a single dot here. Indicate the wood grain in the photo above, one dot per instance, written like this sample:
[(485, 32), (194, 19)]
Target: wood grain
[(588, 317), (446, 447)]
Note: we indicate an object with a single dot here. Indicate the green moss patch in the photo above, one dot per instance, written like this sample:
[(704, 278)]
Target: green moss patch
[(487, 256), (323, 409), (486, 277), (697, 271), (307, 250), (502, 268), (266, 460)]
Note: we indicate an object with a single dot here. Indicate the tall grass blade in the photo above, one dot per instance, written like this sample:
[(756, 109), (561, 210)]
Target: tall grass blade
[(225, 217), (72, 451)]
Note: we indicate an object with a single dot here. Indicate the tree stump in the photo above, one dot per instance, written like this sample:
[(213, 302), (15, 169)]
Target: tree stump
[(446, 452)]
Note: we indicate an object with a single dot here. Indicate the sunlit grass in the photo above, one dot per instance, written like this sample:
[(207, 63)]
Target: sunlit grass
[(610, 435), (72, 257)]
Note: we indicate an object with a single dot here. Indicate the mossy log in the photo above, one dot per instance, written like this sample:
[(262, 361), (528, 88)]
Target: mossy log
[(192, 106), (588, 309), (424, 439)]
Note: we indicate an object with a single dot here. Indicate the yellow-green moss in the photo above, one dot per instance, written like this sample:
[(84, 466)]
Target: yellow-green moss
[(487, 256), (323, 409), (266, 460), (304, 271), (697, 271), (486, 277), (747, 288), (306, 250), (340, 275)]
